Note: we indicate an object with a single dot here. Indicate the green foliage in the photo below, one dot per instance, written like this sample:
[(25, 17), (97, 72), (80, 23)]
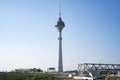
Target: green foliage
[(28, 76), (14, 76), (112, 78)]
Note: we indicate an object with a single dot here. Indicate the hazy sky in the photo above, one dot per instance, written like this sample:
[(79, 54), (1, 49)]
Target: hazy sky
[(28, 37)]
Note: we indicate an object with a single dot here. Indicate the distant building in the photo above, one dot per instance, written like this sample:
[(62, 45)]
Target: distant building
[(34, 70), (51, 70)]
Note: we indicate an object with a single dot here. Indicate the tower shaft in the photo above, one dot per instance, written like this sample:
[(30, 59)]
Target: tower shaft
[(60, 25), (60, 64)]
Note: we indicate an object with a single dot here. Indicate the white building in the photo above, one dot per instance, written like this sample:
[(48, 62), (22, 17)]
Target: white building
[(34, 70), (51, 70)]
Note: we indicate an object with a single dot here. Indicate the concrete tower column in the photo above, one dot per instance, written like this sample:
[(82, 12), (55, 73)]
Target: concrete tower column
[(60, 25), (60, 64)]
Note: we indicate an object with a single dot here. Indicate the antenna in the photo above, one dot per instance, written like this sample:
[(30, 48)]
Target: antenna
[(59, 8)]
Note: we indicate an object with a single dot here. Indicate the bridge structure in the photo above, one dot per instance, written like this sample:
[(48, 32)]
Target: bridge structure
[(98, 70)]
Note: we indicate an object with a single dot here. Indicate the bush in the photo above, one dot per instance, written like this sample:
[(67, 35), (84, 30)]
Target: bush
[(27, 76), (112, 78)]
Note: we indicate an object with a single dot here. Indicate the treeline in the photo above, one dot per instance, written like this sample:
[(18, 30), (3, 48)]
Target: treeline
[(28, 76), (113, 78)]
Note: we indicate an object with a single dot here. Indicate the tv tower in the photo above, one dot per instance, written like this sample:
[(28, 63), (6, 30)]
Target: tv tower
[(60, 25)]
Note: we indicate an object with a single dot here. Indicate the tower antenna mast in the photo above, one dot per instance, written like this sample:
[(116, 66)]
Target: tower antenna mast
[(59, 8)]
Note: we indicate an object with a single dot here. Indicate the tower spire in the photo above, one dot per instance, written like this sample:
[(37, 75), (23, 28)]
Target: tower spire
[(59, 8)]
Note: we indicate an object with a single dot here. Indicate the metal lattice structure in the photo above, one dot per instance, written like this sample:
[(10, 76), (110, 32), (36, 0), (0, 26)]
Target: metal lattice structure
[(99, 67), (98, 70)]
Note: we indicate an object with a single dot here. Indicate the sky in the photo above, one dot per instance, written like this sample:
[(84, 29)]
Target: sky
[(29, 38)]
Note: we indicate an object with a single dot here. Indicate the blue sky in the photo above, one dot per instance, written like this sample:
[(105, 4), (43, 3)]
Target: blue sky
[(28, 37)]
